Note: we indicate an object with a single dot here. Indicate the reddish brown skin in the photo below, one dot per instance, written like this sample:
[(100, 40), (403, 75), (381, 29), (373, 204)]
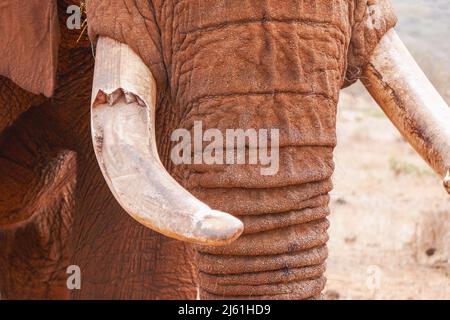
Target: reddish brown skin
[(118, 257), (30, 36), (262, 64)]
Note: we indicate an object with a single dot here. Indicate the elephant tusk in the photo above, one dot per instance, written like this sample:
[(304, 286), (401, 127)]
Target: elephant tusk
[(123, 134), (447, 182), (405, 94)]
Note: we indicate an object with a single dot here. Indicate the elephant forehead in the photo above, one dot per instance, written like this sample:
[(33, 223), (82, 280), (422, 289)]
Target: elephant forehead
[(265, 48), (258, 57), (203, 14)]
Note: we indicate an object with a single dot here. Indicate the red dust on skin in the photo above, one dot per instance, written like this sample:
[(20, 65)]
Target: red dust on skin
[(252, 65), (286, 88)]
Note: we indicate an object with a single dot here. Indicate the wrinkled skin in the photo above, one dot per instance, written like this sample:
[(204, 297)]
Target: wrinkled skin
[(262, 64), (96, 234)]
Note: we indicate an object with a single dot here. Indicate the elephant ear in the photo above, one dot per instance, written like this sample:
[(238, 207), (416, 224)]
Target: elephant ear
[(29, 44)]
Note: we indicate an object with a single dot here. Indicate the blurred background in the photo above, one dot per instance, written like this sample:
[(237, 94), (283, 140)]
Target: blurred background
[(390, 221)]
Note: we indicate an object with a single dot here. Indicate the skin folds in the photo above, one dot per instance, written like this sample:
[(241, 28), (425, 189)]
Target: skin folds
[(229, 64), (255, 65)]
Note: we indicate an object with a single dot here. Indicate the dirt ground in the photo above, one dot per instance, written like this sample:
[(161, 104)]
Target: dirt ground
[(390, 222)]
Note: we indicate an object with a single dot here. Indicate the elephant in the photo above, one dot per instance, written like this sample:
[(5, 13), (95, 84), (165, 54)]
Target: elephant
[(71, 175)]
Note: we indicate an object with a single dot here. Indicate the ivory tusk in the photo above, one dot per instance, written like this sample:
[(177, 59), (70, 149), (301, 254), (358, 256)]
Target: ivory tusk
[(405, 94), (123, 133)]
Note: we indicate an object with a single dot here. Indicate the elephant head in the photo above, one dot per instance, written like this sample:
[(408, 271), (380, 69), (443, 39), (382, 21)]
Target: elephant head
[(162, 65), (253, 65)]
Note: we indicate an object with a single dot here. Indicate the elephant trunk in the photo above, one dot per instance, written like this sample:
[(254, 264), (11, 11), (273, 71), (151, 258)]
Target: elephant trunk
[(263, 75), (282, 252)]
